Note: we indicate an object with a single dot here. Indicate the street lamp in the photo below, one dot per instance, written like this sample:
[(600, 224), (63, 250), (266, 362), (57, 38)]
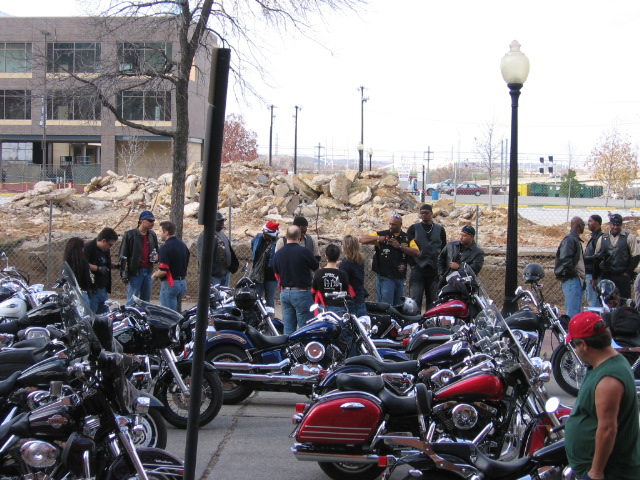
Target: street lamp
[(43, 112), (360, 148), (370, 155), (515, 69)]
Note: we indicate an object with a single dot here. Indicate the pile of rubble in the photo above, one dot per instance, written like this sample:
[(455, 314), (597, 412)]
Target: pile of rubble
[(336, 204)]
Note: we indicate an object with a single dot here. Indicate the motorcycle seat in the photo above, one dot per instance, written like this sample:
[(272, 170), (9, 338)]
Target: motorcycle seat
[(473, 456), (392, 404), (221, 324), (12, 327), (7, 385), (405, 319), (377, 307), (410, 366), (17, 359), (262, 341)]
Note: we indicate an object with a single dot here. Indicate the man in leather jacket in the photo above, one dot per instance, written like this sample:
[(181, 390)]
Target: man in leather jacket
[(620, 255), (594, 226), (569, 267), (455, 253)]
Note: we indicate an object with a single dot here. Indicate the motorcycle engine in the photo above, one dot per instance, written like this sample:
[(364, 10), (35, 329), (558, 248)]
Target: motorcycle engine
[(462, 421)]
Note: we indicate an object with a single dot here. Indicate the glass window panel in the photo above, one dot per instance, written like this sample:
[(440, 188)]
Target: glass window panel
[(16, 104)]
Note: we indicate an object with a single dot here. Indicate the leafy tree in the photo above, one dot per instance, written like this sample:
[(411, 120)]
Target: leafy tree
[(235, 24), (443, 173), (570, 184), (614, 163), (488, 148), (239, 144)]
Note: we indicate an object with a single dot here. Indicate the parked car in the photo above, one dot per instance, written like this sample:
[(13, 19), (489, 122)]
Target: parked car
[(468, 189)]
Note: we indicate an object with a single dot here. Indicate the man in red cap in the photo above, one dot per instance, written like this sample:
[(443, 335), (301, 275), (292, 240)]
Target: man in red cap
[(602, 432), (263, 249)]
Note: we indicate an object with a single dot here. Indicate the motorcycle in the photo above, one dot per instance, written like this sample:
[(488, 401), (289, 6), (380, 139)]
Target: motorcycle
[(496, 402), (248, 360), (157, 333)]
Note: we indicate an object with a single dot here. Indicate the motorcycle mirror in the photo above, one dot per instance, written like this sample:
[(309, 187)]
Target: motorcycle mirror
[(552, 405)]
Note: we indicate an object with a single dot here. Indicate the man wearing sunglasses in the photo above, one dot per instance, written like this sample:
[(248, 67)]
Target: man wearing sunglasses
[(98, 255), (602, 433), (140, 246)]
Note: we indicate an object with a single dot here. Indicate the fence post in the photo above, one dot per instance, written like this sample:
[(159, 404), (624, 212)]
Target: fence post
[(49, 244)]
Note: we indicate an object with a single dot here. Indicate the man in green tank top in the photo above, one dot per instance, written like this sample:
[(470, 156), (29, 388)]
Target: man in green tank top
[(602, 433)]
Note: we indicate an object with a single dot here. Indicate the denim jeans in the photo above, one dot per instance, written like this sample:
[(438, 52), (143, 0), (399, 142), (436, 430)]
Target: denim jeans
[(572, 290), (222, 280), (423, 282), (269, 290), (295, 308), (360, 309), (171, 296), (97, 299), (140, 286), (593, 300), (389, 290)]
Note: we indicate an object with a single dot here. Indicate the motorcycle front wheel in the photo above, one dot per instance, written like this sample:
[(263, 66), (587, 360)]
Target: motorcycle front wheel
[(232, 392), (154, 430), (351, 471), (176, 406), (567, 371)]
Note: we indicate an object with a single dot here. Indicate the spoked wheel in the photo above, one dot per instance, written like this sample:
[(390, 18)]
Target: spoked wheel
[(568, 371), (176, 405), (351, 471), (153, 433), (232, 392)]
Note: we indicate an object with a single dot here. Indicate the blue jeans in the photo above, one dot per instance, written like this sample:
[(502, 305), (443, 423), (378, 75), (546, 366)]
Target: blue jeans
[(360, 309), (222, 280), (97, 299), (295, 308), (269, 290), (171, 296), (572, 290), (389, 290), (140, 286), (593, 300)]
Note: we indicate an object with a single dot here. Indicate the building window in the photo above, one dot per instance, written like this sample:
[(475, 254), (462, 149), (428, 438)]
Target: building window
[(17, 151), (73, 57), (15, 105), (143, 105), (152, 57), (15, 57), (65, 107)]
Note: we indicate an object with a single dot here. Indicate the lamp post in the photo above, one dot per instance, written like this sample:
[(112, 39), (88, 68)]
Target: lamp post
[(271, 134), (43, 112), (370, 155), (515, 69), (295, 142), (361, 146)]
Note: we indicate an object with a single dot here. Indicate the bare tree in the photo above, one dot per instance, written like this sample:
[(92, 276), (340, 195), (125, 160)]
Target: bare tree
[(488, 148), (131, 151)]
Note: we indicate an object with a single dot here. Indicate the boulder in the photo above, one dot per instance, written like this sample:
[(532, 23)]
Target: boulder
[(339, 187), (191, 209), (303, 189), (330, 202), (281, 190), (119, 191), (351, 175), (190, 186), (360, 198), (389, 181), (166, 179)]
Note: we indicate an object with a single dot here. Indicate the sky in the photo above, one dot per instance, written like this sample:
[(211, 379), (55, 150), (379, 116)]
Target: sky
[(431, 72)]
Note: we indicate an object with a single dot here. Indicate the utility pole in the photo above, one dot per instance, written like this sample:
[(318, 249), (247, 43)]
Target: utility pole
[(319, 147), (361, 146), (428, 159), (271, 135), (295, 142)]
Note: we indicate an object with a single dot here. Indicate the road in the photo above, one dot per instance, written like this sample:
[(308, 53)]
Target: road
[(251, 440)]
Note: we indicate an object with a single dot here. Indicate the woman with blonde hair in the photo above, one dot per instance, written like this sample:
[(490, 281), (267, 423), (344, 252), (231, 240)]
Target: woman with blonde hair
[(353, 266)]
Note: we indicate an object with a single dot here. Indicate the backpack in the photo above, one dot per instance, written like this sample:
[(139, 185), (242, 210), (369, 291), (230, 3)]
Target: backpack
[(623, 321)]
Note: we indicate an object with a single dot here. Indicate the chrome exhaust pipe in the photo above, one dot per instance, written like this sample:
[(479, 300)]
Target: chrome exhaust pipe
[(250, 366), (266, 378), (333, 457)]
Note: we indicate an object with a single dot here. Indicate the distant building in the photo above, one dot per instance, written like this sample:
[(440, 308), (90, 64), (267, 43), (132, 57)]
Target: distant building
[(39, 58)]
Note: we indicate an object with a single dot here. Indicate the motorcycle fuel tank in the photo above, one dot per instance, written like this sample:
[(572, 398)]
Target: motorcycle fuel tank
[(477, 386), (453, 308), (347, 420), (316, 331), (42, 373), (446, 354)]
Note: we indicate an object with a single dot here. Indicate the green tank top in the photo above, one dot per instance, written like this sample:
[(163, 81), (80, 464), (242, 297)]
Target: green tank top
[(580, 434)]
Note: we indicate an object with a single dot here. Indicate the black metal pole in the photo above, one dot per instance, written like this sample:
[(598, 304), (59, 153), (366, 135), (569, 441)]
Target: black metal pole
[(295, 144), (361, 146), (270, 135), (511, 276), (208, 207)]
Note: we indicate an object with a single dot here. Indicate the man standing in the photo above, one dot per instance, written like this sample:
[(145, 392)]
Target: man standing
[(461, 251), (393, 247), (602, 437), (172, 267), (569, 267), (431, 239), (306, 240), (594, 225), (225, 261), (97, 254), (263, 249), (292, 265), (140, 246), (620, 256)]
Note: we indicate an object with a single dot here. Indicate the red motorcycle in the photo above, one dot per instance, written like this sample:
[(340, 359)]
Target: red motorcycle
[(498, 405)]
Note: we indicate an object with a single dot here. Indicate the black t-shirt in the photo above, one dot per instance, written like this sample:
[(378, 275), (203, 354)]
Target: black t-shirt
[(175, 254), (327, 280), (100, 258)]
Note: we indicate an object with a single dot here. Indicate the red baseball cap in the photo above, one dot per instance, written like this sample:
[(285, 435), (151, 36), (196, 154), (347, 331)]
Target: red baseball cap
[(583, 325)]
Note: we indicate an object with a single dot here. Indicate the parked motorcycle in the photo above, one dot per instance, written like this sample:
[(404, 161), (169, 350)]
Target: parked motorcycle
[(248, 360), (497, 403)]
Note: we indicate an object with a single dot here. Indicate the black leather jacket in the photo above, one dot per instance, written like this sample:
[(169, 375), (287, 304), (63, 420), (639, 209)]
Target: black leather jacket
[(568, 256), (472, 255)]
